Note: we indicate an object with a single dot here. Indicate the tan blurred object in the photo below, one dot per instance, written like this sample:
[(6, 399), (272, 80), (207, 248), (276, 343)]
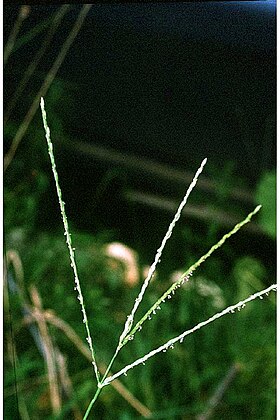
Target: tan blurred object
[(49, 351), (128, 258), (176, 275)]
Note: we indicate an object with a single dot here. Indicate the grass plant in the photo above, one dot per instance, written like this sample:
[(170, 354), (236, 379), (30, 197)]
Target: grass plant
[(131, 328)]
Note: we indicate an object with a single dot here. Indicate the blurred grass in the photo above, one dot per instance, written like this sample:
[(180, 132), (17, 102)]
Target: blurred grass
[(183, 377)]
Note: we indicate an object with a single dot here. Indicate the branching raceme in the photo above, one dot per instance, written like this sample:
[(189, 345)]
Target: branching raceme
[(131, 328)]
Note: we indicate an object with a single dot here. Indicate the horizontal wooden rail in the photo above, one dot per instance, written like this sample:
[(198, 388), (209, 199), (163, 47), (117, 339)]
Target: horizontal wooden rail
[(151, 167)]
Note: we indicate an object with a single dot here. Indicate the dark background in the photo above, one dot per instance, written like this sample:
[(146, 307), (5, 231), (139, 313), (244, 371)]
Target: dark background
[(174, 82)]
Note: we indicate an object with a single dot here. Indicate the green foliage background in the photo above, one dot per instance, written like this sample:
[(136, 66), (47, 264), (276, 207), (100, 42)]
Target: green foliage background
[(175, 384)]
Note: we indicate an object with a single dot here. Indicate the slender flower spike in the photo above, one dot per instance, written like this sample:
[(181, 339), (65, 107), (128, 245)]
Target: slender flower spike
[(68, 238), (130, 318)]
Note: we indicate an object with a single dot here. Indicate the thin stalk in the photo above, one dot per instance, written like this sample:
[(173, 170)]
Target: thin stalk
[(108, 368), (45, 86), (32, 33), (22, 15), (68, 239), (96, 395), (219, 392), (100, 385), (56, 20), (49, 351)]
